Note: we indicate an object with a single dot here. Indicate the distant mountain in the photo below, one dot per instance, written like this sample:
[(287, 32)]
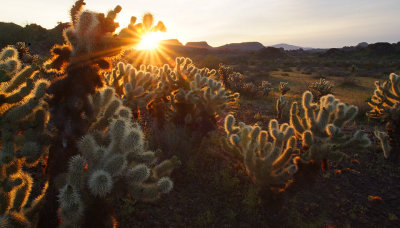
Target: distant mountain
[(39, 39), (289, 47), (245, 46), (200, 44), (362, 45), (365, 50)]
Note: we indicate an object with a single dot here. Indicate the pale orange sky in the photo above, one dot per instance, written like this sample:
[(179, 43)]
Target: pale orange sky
[(307, 23)]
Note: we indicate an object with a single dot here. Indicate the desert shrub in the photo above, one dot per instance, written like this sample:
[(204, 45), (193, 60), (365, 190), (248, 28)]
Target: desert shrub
[(265, 87), (249, 89)]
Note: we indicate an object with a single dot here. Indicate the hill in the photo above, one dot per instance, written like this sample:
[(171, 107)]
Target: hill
[(244, 46), (289, 47), (39, 39)]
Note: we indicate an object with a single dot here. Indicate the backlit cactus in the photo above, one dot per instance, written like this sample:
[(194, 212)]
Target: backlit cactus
[(112, 161), (320, 88), (135, 87), (267, 163), (91, 43), (385, 104), (319, 126), (24, 138), (188, 95), (224, 71)]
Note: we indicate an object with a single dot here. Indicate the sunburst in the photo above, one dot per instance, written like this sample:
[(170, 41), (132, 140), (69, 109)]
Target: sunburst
[(150, 41)]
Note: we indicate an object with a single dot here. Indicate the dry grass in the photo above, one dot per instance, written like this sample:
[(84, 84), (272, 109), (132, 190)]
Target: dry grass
[(355, 94)]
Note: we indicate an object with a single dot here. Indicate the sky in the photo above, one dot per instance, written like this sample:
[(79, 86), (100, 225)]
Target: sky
[(306, 23)]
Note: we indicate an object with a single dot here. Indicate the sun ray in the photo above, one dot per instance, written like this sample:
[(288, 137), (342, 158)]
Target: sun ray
[(150, 41)]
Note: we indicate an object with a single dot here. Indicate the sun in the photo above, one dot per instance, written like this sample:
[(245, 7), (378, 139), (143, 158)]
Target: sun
[(150, 41)]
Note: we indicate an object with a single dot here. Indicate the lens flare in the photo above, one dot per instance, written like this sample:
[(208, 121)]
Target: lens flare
[(150, 41)]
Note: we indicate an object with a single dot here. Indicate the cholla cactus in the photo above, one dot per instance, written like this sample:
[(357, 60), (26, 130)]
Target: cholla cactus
[(224, 72), (268, 163), (117, 77), (189, 95), (24, 54), (284, 87), (91, 42), (105, 106), (265, 87), (24, 139), (385, 104), (135, 87), (320, 88), (384, 140), (281, 104), (319, 125), (112, 161)]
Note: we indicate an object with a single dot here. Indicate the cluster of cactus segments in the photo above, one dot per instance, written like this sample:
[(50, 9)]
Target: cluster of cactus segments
[(194, 95), (224, 71), (235, 82), (284, 87), (187, 94), (385, 105), (319, 126), (134, 87), (24, 138), (267, 163), (320, 88), (113, 159)]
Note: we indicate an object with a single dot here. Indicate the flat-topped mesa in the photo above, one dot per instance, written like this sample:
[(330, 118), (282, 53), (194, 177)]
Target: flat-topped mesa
[(244, 46), (199, 44)]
